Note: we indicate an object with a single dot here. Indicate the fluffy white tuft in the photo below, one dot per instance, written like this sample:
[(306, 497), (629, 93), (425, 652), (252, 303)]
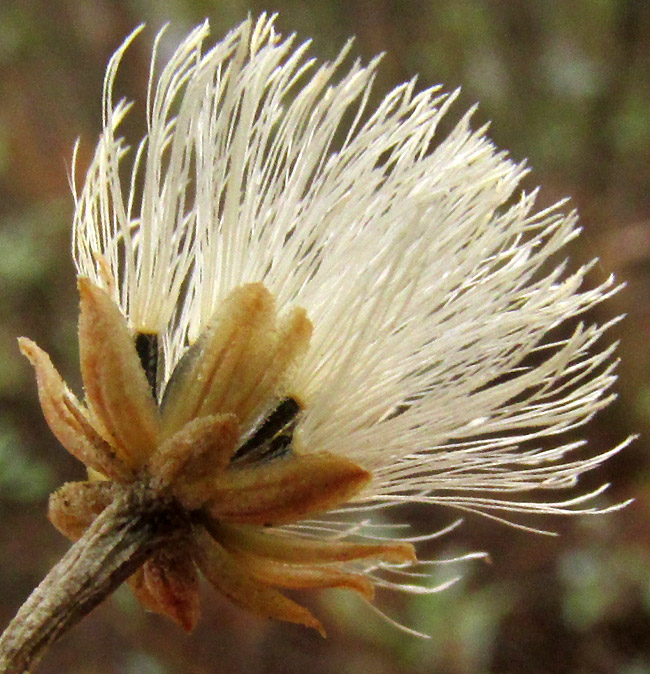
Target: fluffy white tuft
[(425, 273)]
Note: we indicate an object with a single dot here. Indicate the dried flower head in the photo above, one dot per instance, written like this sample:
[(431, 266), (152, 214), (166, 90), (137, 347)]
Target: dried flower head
[(295, 309)]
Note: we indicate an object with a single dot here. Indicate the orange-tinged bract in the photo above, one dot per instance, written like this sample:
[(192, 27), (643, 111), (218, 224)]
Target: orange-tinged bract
[(117, 393), (296, 312), (194, 462)]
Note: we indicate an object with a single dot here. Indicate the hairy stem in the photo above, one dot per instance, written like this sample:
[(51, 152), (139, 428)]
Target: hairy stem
[(116, 545)]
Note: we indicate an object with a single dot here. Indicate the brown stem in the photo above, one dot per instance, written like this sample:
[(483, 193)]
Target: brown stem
[(116, 545)]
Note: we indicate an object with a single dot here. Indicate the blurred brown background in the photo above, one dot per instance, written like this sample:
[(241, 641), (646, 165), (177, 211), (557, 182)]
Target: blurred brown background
[(566, 84)]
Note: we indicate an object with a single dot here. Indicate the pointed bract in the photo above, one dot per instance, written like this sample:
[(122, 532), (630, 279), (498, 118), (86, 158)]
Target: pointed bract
[(172, 587), (294, 550), (223, 571), (295, 577), (190, 460), (69, 420), (116, 386), (285, 490), (227, 362), (280, 362)]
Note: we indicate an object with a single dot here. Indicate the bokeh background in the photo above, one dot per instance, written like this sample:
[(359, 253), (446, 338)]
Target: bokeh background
[(566, 84)]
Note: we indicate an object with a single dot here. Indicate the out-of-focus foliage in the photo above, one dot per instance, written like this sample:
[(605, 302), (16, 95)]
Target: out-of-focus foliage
[(565, 83), (22, 478)]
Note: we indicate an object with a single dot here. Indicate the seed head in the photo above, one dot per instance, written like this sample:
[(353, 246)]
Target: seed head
[(296, 309)]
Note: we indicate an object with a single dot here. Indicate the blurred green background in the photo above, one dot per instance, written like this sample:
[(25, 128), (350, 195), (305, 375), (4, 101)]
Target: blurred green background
[(566, 83)]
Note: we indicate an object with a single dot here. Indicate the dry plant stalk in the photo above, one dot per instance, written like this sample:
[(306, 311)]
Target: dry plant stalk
[(114, 547)]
